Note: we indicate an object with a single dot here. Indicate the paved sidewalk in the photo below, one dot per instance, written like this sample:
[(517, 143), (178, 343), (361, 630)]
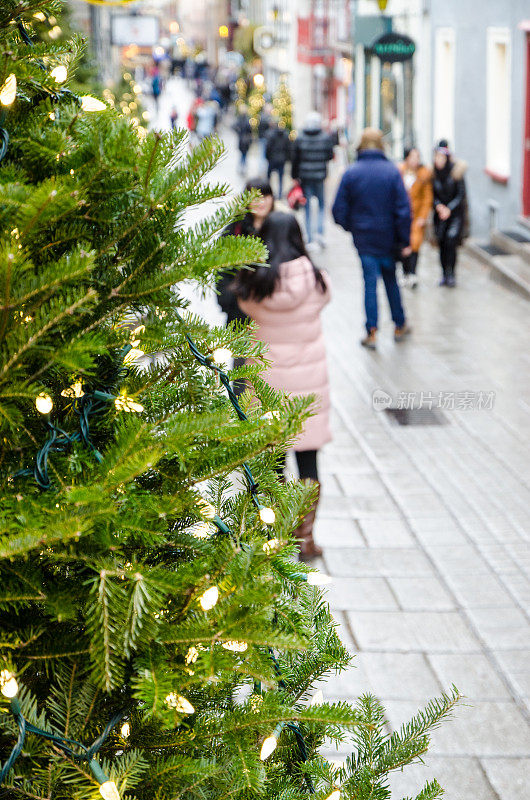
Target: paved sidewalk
[(425, 528)]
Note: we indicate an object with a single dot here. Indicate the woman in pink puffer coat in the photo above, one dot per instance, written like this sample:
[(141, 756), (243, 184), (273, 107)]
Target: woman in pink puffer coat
[(285, 300)]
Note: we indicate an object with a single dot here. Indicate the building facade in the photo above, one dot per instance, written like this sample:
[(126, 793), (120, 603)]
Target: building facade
[(481, 101), (392, 95)]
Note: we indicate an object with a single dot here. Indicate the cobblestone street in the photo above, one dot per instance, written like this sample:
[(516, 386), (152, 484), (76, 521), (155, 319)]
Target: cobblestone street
[(425, 527)]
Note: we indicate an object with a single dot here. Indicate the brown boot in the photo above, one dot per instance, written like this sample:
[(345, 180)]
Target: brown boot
[(304, 533), (369, 340)]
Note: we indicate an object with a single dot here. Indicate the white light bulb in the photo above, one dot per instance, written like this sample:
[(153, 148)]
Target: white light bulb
[(8, 683), (236, 647), (317, 699), (133, 355), (8, 92), (268, 747), (125, 730), (209, 598), (202, 530), (179, 703), (222, 355), (109, 791), (271, 546), (124, 403), (207, 510), (267, 516), (335, 795), (75, 390), (60, 73), (43, 403), (89, 103), (192, 655), (318, 579)]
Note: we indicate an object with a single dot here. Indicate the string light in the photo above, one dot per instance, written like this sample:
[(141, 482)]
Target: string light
[(132, 356), (125, 403), (202, 530), (55, 32), (317, 699), (209, 599), (271, 546), (179, 703), (107, 788), (222, 355), (335, 795), (109, 791), (318, 579), (8, 92), (89, 103), (236, 647), (8, 684), (206, 508), (192, 655), (267, 515), (75, 390), (43, 403), (271, 742), (40, 16), (125, 730), (60, 73)]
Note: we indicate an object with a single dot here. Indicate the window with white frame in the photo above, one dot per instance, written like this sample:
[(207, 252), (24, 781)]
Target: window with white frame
[(444, 85), (498, 101)]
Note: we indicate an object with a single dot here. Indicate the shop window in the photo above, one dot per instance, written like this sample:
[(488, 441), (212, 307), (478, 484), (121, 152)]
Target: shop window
[(444, 85), (498, 103)]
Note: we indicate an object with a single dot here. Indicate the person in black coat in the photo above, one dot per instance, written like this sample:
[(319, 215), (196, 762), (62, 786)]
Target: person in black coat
[(244, 139), (277, 153), (250, 225), (450, 208), (311, 152)]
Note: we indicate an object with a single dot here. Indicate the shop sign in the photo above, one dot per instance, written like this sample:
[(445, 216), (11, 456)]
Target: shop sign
[(394, 47)]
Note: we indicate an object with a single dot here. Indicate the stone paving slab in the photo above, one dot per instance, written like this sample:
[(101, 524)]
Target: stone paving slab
[(421, 594), (406, 631), (509, 778)]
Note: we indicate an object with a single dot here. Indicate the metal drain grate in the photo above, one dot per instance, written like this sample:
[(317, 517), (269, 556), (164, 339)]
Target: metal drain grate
[(517, 236), (493, 250), (416, 416)]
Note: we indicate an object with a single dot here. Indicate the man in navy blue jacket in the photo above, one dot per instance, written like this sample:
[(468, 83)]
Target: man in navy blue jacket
[(372, 203)]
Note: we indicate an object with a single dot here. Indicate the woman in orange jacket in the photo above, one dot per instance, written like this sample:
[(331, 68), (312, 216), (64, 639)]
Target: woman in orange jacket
[(418, 183)]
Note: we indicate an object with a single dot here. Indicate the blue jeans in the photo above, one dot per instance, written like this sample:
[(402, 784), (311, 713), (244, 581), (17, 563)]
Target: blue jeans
[(279, 168), (314, 189), (373, 267)]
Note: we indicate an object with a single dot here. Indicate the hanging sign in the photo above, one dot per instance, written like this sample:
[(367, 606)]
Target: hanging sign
[(394, 47)]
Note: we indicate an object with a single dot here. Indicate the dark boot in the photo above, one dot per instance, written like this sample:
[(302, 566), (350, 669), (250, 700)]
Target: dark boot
[(304, 533)]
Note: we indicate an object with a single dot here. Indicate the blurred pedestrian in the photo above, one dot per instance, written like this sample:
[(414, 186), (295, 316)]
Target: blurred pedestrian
[(372, 203), (191, 120), (250, 225), (156, 84), (206, 119), (285, 300), (277, 153), (244, 139), (418, 183), (450, 208), (173, 118), (311, 152)]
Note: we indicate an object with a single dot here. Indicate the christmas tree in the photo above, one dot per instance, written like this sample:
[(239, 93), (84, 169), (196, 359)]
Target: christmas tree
[(256, 101), (157, 638), (282, 105)]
